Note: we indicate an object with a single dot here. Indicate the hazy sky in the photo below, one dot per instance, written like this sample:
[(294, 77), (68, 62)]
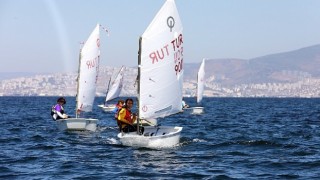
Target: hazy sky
[(44, 35)]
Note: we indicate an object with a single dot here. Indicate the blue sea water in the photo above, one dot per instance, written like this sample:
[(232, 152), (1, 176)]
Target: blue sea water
[(236, 138)]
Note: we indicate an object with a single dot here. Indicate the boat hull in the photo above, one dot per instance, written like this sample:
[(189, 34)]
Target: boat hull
[(194, 110), (152, 137), (108, 108), (77, 124)]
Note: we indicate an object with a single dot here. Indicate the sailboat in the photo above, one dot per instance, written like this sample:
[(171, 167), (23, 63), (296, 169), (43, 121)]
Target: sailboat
[(89, 58), (160, 77), (113, 91), (200, 89)]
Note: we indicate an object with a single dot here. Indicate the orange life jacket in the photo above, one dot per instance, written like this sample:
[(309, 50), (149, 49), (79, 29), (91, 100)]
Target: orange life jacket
[(128, 116)]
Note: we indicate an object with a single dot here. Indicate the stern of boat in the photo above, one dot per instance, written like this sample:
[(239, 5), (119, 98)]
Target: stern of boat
[(77, 124)]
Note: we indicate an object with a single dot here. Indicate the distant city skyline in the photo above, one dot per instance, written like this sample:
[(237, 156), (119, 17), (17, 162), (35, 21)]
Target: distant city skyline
[(64, 84), (44, 35)]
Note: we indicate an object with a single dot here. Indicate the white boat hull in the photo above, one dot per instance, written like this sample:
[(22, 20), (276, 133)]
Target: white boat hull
[(77, 124), (152, 137), (194, 110), (107, 108)]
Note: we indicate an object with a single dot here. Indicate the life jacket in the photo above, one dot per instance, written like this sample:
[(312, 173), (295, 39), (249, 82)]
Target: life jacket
[(127, 117), (53, 110)]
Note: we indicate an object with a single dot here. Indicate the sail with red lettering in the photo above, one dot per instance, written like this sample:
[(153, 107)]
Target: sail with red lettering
[(200, 85), (87, 82), (161, 64), (88, 71), (160, 75)]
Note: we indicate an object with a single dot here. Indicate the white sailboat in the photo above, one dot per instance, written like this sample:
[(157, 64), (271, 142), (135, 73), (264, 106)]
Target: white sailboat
[(113, 91), (160, 77), (87, 81), (200, 89)]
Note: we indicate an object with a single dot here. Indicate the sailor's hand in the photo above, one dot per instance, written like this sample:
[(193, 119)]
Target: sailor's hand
[(134, 116)]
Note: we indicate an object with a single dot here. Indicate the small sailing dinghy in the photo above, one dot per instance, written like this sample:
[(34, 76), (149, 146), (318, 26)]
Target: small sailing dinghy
[(160, 77), (113, 91), (200, 89), (87, 81)]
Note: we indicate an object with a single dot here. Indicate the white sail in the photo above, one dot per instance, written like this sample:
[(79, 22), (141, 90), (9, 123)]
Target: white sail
[(87, 81), (200, 85), (160, 77), (88, 71), (160, 66), (116, 86)]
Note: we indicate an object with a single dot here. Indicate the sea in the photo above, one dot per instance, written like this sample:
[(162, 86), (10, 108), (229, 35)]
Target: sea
[(235, 138)]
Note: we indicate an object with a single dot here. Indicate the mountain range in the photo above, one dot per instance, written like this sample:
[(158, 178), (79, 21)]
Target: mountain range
[(286, 67)]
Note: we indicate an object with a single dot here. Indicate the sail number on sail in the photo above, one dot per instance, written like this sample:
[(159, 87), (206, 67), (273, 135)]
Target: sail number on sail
[(94, 63), (91, 63), (176, 46)]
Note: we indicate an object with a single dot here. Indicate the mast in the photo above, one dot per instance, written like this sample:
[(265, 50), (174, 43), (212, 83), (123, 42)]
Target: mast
[(78, 80), (108, 88), (138, 80)]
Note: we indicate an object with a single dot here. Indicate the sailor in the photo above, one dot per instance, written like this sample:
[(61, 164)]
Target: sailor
[(57, 111), (184, 105), (118, 108), (126, 118)]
